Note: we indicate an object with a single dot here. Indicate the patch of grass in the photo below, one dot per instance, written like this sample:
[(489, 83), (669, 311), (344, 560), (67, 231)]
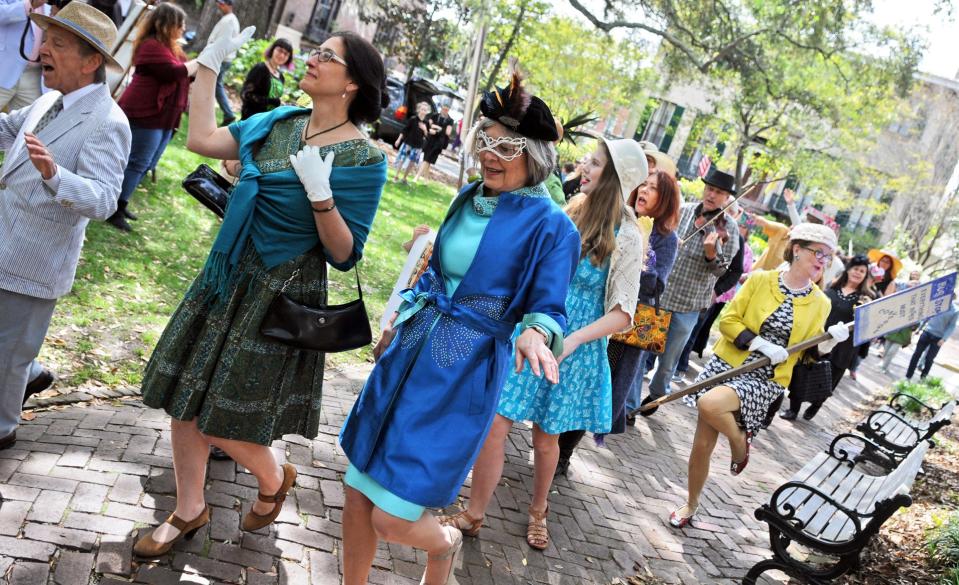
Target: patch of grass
[(128, 284), (931, 391), (943, 544)]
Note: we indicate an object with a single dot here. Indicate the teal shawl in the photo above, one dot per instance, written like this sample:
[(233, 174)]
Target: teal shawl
[(273, 211)]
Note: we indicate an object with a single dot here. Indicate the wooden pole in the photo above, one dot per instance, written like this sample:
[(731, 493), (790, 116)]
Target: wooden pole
[(716, 380)]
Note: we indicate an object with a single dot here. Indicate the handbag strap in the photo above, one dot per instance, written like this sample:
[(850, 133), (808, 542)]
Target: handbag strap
[(296, 273)]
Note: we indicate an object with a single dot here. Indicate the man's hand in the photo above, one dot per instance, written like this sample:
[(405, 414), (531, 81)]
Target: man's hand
[(940, 342), (40, 156), (789, 196), (37, 3), (709, 245)]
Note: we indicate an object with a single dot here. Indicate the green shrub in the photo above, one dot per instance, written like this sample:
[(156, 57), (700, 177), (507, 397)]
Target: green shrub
[(943, 545), (931, 391), (251, 54), (758, 244)]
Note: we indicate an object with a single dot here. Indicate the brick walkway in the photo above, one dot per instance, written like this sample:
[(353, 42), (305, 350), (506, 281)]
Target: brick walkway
[(84, 479)]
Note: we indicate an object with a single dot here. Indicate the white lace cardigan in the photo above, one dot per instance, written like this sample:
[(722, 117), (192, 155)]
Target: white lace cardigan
[(626, 266)]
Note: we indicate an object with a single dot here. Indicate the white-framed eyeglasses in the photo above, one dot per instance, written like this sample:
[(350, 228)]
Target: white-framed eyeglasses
[(325, 55), (505, 147)]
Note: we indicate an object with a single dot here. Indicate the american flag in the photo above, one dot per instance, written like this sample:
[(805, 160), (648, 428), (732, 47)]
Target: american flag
[(704, 164)]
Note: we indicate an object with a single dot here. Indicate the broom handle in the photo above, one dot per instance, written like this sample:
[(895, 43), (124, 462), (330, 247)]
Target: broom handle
[(763, 361)]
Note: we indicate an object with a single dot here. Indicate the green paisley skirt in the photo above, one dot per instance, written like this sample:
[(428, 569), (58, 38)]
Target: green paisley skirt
[(211, 363)]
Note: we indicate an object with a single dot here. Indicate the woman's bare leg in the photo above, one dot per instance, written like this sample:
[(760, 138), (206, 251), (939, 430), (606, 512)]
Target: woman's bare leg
[(359, 538), (190, 454), (426, 533), (488, 468), (545, 457), (259, 460)]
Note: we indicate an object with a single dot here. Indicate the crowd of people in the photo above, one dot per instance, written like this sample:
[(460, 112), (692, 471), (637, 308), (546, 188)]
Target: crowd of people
[(511, 321)]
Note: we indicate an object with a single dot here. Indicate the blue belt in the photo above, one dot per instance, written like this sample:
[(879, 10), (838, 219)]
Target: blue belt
[(501, 330)]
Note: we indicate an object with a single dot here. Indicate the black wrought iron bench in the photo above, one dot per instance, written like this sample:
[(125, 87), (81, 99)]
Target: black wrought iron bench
[(833, 506), (898, 432)]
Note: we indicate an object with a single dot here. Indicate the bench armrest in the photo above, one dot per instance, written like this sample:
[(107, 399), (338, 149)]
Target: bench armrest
[(870, 450), (787, 511), (895, 397)]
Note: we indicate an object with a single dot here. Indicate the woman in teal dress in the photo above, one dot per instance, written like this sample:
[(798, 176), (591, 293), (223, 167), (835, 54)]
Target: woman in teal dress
[(601, 301), (502, 258), (308, 190)]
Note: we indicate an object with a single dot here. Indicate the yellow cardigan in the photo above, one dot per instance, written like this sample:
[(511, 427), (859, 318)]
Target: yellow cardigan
[(753, 304)]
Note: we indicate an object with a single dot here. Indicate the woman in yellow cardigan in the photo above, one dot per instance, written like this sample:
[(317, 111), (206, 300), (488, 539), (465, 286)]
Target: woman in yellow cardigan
[(771, 312)]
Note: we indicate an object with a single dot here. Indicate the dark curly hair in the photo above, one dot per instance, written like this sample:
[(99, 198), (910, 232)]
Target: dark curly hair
[(365, 66)]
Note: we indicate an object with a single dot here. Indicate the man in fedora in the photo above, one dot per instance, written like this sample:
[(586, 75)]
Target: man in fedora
[(63, 165), (700, 260)]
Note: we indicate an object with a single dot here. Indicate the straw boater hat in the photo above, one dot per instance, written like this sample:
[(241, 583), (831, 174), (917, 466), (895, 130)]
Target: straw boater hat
[(630, 164), (86, 22), (663, 161)]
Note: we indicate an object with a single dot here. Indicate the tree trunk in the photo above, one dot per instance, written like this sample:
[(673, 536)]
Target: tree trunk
[(517, 25), (258, 14)]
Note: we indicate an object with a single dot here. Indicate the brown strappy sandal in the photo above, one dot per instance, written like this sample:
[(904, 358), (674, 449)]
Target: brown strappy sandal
[(537, 536), (253, 521), (467, 524)]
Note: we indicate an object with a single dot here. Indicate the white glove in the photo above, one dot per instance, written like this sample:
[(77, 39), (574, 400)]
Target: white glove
[(213, 54), (314, 172), (839, 333), (777, 354)]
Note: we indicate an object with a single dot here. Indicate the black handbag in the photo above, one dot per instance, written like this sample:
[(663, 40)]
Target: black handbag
[(209, 188), (811, 381), (328, 329)]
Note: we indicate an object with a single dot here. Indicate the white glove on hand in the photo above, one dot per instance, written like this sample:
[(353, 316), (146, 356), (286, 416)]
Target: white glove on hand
[(213, 54), (839, 333), (777, 354), (314, 172)]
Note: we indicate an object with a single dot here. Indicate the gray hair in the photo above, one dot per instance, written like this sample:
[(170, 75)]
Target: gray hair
[(87, 50), (540, 154)]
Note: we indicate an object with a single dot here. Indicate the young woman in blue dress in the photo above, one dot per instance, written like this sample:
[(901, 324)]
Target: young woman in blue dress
[(601, 301), (504, 256)]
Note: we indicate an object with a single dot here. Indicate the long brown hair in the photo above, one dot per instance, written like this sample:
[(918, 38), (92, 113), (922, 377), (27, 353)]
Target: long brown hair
[(162, 24), (666, 213), (596, 215)]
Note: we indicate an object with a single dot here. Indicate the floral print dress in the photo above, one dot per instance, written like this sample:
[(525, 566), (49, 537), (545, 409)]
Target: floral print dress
[(583, 397)]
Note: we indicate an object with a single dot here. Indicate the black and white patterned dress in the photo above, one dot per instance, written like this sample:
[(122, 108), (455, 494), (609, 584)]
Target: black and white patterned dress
[(756, 389)]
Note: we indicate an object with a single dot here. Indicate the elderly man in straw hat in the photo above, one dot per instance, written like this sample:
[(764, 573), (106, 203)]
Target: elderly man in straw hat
[(63, 165)]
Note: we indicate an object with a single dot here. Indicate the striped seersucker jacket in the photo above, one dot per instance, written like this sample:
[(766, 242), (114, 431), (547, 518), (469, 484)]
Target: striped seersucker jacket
[(41, 232)]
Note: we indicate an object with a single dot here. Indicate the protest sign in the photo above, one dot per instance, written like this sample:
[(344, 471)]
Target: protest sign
[(903, 308)]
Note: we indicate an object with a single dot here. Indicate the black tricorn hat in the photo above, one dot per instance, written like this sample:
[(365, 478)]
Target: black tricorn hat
[(720, 180), (519, 111)]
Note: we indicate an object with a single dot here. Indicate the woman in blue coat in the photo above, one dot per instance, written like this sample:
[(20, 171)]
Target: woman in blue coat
[(503, 257)]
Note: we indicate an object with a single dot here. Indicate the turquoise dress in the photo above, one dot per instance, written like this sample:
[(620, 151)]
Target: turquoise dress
[(583, 398), (460, 243)]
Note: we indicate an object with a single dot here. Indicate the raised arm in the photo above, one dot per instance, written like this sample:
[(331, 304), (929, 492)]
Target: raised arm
[(204, 137)]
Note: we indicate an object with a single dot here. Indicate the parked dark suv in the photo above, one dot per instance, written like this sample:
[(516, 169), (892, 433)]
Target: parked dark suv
[(403, 100)]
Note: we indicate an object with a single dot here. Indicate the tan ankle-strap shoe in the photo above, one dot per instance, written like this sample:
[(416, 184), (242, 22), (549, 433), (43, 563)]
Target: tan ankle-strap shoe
[(148, 547), (253, 521)]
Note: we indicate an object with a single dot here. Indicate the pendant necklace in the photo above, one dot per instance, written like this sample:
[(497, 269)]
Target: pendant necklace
[(305, 137)]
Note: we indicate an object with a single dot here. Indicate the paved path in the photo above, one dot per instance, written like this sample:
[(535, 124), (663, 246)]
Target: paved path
[(84, 479)]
